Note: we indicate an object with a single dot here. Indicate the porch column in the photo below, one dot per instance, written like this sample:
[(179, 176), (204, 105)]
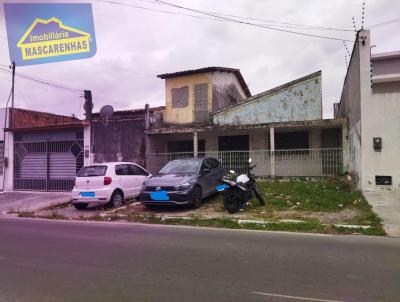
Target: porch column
[(195, 144), (272, 150)]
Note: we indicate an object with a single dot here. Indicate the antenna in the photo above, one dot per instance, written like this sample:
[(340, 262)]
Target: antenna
[(106, 112)]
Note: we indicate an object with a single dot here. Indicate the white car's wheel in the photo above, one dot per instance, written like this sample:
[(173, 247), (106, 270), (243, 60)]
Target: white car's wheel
[(116, 200)]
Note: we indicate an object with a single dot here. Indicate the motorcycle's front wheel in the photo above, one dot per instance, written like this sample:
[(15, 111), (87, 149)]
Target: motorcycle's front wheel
[(231, 203)]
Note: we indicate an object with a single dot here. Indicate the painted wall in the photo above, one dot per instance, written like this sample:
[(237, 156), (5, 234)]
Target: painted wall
[(2, 119), (6, 139), (225, 90), (186, 114), (9, 170), (380, 117), (385, 66), (371, 113), (222, 86), (350, 108), (298, 102), (88, 155)]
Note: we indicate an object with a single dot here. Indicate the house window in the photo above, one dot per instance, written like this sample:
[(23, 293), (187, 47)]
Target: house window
[(201, 102), (180, 97), (292, 141)]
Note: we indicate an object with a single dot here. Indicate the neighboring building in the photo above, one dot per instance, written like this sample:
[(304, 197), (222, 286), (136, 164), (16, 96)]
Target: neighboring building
[(121, 137), (370, 102), (280, 124), (43, 151)]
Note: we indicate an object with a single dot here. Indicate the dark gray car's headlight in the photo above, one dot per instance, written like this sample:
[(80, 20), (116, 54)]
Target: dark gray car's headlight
[(182, 187)]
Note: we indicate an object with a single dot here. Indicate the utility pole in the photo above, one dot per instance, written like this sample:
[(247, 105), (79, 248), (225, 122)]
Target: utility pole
[(10, 119), (12, 83), (88, 106)]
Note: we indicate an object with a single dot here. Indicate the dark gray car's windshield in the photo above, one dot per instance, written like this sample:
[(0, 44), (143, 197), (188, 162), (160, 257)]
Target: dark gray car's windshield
[(181, 166)]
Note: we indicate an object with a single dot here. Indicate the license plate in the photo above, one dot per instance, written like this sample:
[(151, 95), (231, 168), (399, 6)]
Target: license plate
[(221, 187), (159, 195), (88, 194)]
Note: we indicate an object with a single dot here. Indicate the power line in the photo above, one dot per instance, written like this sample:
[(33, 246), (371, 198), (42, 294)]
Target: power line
[(154, 10), (278, 23), (218, 17), (251, 24), (45, 82)]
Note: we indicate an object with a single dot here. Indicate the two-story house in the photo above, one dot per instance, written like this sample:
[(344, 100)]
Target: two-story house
[(210, 111), (192, 95)]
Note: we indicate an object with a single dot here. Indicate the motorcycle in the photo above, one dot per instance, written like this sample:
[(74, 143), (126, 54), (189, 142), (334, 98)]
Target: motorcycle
[(237, 193)]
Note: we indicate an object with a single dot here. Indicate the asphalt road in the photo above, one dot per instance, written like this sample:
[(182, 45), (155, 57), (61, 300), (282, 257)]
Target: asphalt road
[(78, 261)]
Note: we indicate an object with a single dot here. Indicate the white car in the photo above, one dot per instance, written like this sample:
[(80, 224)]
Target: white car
[(107, 184)]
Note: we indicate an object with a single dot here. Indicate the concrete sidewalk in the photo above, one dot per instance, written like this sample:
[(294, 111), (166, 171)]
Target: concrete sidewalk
[(386, 204), (31, 201)]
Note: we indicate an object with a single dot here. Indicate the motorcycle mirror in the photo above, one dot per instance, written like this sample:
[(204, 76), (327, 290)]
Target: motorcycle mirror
[(250, 160), (231, 171)]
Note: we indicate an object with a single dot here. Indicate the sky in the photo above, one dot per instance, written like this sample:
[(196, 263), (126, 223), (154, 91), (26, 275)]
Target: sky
[(134, 45)]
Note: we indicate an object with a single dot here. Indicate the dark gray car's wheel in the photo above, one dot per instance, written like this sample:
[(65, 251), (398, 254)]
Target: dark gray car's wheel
[(80, 206), (196, 197), (116, 200)]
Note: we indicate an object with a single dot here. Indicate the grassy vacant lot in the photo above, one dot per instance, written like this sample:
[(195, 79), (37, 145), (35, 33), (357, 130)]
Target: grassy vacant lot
[(298, 205), (304, 205)]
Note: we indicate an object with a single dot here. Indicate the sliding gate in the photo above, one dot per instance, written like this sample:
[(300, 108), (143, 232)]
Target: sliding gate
[(48, 160)]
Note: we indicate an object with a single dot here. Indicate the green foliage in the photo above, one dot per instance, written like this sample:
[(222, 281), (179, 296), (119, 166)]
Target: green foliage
[(310, 195)]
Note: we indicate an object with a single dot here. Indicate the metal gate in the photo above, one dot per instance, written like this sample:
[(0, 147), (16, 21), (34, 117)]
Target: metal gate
[(47, 161)]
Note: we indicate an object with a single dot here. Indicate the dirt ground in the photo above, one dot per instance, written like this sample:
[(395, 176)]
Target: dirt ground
[(211, 208)]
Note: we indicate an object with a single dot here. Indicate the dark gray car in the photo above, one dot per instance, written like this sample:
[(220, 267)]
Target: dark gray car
[(183, 181)]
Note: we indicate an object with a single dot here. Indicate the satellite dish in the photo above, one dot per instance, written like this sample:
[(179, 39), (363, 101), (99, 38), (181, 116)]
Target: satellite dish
[(106, 113)]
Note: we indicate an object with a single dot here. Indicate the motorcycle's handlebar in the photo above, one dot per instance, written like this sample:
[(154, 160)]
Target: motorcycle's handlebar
[(252, 167)]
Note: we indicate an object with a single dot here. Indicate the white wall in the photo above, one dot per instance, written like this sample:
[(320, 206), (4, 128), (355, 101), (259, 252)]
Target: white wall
[(9, 154), (380, 117), (87, 146), (7, 172)]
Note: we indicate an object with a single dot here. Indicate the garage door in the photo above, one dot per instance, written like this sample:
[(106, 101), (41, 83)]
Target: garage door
[(47, 161)]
